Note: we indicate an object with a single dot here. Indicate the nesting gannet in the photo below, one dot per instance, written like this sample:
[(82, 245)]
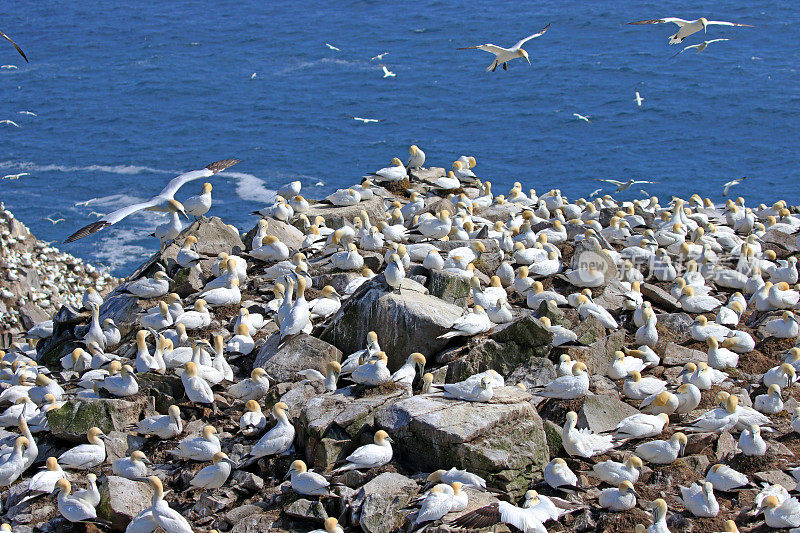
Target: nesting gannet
[(467, 479), (782, 375), (370, 455), (154, 287), (724, 478), (662, 451), (214, 475), (503, 55), (307, 483), (558, 475), (469, 390), (779, 514), (374, 372), (637, 387), (45, 481), (395, 172), (470, 324), (700, 500), (123, 384), (200, 448), (568, 387), (222, 296), (751, 443), (86, 456), (614, 473), (770, 403), (719, 419), (583, 442), (687, 27), (253, 388), (640, 426), (253, 421), (165, 427), (620, 498), (133, 467), (406, 373)]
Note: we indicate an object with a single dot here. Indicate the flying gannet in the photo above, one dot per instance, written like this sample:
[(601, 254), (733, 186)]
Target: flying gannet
[(688, 27), (7, 38), (163, 201), (504, 55), (700, 47)]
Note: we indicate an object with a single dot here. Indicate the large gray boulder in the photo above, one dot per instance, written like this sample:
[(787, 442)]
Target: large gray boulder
[(331, 424), (502, 440), (336, 216), (508, 347), (449, 287), (377, 506), (406, 321), (588, 253), (123, 308), (286, 233), (121, 499), (298, 353)]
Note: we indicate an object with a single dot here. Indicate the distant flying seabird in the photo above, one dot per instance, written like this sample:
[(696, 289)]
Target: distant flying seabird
[(700, 47), (387, 73), (504, 55), (161, 202), (365, 120), (625, 185), (731, 184), (688, 27), (638, 98), (581, 117), (379, 57), (7, 38), (332, 47)]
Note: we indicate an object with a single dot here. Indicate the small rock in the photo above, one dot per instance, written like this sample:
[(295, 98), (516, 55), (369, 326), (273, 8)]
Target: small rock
[(246, 481), (726, 446), (777, 477), (307, 509), (603, 413)]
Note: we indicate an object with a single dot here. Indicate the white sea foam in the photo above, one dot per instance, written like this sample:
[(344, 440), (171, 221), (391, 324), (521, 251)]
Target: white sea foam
[(251, 188), (112, 169)]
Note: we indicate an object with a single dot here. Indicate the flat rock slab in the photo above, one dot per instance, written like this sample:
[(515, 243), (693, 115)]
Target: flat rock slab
[(377, 505), (75, 417), (602, 413), (659, 297), (503, 440), (301, 352), (677, 355), (336, 216)]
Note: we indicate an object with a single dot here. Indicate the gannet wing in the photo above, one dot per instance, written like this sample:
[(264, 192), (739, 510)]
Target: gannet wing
[(491, 48), (529, 37), (7, 38), (686, 48), (679, 22), (717, 22), (110, 219), (613, 182), (716, 40), (178, 181)]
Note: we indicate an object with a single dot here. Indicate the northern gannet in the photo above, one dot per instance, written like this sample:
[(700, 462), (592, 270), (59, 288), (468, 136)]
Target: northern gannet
[(687, 27), (700, 500), (133, 467), (253, 421), (700, 47), (197, 389), (307, 483), (200, 204), (370, 455), (558, 475), (163, 515), (583, 442), (164, 427), (471, 324), (200, 448), (568, 387), (19, 50), (72, 508), (416, 159), (253, 388), (86, 456), (725, 478), (214, 475), (614, 473), (280, 438), (163, 201), (620, 498), (503, 55), (45, 481)]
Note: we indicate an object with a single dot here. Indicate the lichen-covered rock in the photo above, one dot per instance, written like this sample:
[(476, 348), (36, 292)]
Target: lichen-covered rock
[(377, 506), (301, 352), (121, 499), (449, 287), (72, 420), (502, 440), (406, 321)]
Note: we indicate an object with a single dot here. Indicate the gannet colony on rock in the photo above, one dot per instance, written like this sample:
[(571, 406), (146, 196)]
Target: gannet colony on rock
[(416, 350)]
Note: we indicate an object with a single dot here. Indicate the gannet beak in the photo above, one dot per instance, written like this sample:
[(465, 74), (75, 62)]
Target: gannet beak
[(529, 61), (633, 491), (182, 212)]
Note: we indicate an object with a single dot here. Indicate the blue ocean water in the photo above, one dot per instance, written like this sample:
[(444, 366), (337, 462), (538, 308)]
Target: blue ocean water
[(129, 93)]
